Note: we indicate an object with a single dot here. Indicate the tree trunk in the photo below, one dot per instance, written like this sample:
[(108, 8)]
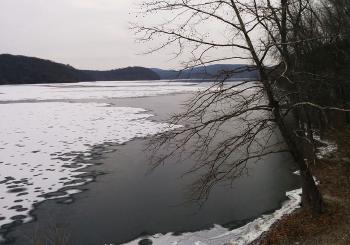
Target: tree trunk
[(310, 190), (284, 6), (310, 135), (311, 195)]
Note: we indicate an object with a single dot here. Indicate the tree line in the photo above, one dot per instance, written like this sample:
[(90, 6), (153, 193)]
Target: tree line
[(16, 69)]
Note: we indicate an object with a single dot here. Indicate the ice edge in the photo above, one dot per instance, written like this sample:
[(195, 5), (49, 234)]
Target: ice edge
[(240, 236)]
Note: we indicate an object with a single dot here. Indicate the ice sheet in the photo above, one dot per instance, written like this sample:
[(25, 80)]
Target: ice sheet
[(39, 143), (93, 90)]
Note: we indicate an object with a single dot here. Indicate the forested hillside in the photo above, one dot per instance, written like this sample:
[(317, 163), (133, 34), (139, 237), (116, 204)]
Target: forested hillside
[(22, 70), (230, 71)]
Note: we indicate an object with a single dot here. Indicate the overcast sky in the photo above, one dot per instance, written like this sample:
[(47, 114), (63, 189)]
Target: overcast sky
[(88, 34)]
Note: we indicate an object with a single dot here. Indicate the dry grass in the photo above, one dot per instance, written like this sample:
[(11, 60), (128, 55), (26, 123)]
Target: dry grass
[(332, 227)]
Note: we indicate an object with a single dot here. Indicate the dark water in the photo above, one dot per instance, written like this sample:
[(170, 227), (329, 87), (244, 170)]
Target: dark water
[(128, 201)]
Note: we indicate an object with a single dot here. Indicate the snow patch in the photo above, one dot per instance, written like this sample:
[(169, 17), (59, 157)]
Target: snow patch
[(327, 148), (297, 172)]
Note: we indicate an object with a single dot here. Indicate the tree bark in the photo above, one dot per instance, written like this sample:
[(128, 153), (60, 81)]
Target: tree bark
[(311, 194)]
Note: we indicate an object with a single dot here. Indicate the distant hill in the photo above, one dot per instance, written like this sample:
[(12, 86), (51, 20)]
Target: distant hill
[(124, 74), (166, 74), (233, 71), (22, 70)]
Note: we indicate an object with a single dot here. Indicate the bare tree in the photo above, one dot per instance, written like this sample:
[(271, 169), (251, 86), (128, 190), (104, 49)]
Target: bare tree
[(231, 125)]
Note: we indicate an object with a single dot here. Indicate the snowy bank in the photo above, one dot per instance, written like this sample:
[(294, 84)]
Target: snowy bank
[(220, 235)]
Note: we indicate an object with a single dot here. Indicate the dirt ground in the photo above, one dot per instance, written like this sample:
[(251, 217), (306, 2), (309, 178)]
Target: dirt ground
[(332, 227)]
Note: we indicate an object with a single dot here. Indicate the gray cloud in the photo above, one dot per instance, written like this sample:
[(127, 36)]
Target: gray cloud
[(88, 34)]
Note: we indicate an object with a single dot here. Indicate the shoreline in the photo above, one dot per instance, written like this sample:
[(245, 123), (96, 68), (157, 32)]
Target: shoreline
[(250, 233), (331, 227)]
